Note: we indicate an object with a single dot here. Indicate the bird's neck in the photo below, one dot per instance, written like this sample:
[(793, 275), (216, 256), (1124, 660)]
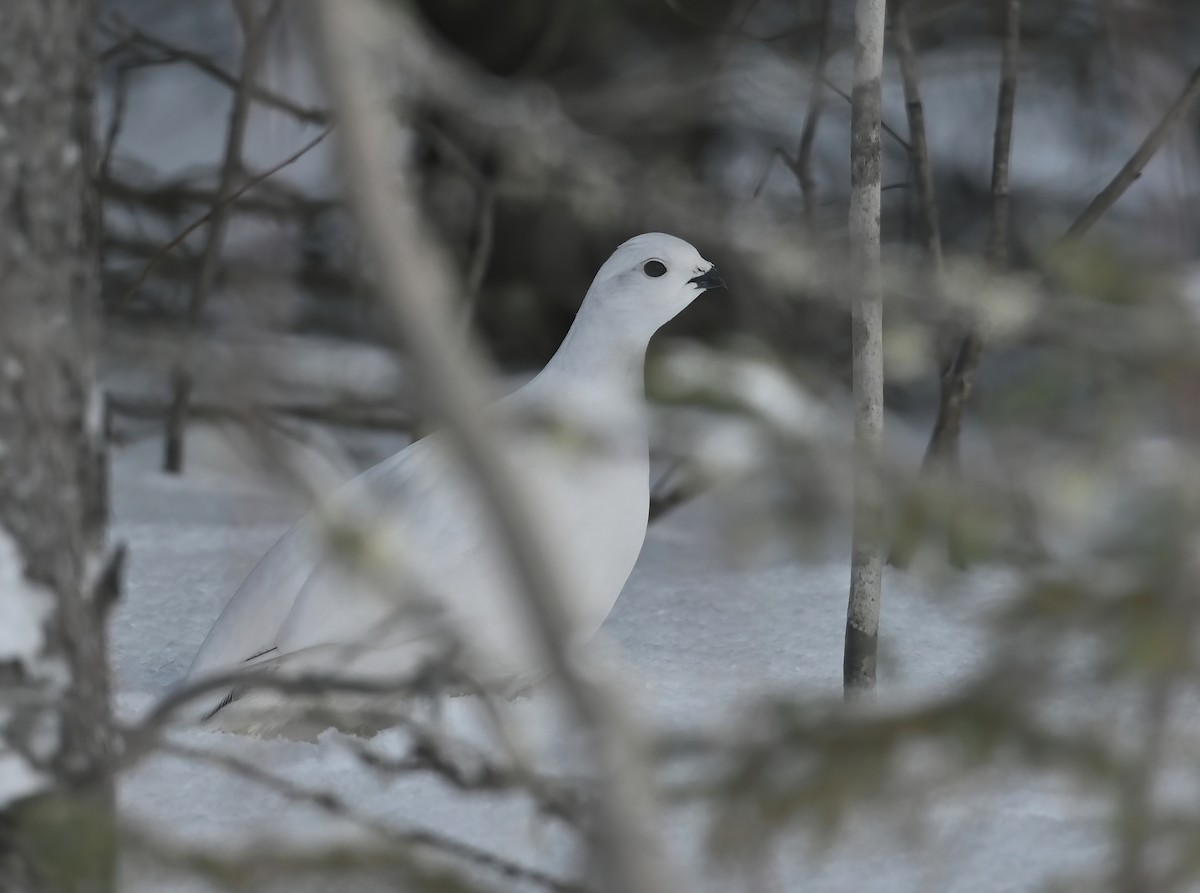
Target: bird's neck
[(600, 351)]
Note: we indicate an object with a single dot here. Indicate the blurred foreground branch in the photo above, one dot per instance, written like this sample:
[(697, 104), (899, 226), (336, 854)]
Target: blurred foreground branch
[(420, 293)]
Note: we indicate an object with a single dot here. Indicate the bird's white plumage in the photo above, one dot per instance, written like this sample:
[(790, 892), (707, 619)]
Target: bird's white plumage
[(585, 472)]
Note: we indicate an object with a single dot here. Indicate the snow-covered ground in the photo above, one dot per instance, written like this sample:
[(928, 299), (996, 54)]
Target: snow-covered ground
[(704, 627)]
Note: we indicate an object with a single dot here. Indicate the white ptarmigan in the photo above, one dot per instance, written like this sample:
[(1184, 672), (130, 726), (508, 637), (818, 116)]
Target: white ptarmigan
[(304, 610)]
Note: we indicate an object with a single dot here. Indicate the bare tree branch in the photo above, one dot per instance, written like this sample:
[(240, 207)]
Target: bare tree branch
[(336, 805), (997, 252), (221, 205), (927, 210), (914, 516), (117, 122), (553, 797), (255, 39), (425, 679), (130, 36), (168, 198), (812, 117), (943, 450), (887, 128), (1137, 162)]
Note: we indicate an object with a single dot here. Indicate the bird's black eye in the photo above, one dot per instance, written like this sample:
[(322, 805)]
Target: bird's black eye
[(654, 268)]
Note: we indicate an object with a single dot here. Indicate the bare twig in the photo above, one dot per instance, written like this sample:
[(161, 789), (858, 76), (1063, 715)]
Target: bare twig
[(169, 197), (913, 516), (485, 228), (117, 122), (926, 199), (958, 377), (553, 797), (129, 35), (255, 36), (677, 486), (559, 147), (1137, 162), (777, 152), (887, 128), (420, 290), (335, 805), (812, 117), (221, 203), (997, 252)]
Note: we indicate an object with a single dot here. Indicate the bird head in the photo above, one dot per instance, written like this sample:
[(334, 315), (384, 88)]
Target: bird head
[(651, 278)]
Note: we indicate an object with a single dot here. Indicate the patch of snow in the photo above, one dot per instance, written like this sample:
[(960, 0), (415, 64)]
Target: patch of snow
[(46, 735), (705, 627), (18, 779), (94, 416), (24, 606)]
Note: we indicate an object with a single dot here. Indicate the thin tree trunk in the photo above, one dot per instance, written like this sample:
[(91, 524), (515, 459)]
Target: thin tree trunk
[(255, 36), (862, 617), (958, 377), (1134, 871), (55, 727), (997, 253), (927, 212), (914, 516)]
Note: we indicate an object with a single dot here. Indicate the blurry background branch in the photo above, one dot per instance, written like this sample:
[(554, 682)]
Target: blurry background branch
[(255, 32), (910, 524), (136, 47), (1138, 161), (943, 455), (219, 205)]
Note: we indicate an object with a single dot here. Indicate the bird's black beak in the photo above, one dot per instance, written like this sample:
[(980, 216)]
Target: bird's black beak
[(708, 279)]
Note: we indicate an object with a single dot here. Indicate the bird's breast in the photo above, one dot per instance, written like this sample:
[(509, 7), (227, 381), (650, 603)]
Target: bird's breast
[(594, 509)]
